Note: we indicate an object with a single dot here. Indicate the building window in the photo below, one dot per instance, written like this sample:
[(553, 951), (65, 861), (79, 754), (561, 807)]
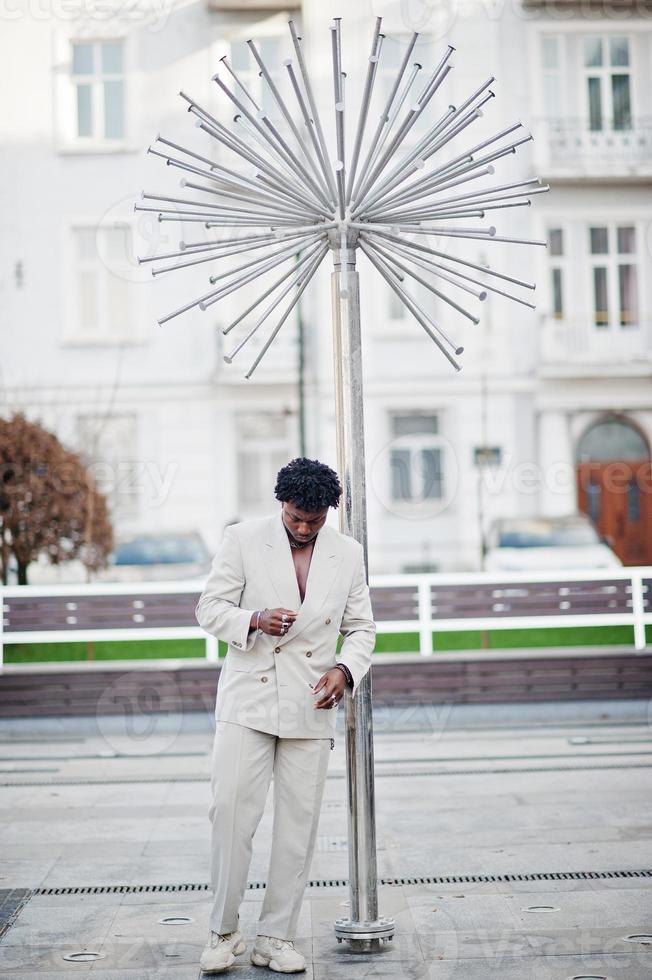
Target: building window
[(556, 253), (551, 58), (108, 446), (101, 291), (607, 82), (614, 275), (263, 447), (416, 458), (97, 73)]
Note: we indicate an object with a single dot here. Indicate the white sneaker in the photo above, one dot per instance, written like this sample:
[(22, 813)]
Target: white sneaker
[(221, 950), (279, 955)]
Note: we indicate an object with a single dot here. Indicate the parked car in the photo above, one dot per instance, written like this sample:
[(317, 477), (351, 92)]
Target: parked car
[(525, 544), (147, 557), (153, 557)]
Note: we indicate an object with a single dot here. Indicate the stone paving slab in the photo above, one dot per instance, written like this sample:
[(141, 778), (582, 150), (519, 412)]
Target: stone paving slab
[(438, 823)]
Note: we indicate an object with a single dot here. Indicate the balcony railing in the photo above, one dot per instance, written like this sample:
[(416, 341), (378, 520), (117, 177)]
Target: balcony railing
[(569, 147), (577, 344)]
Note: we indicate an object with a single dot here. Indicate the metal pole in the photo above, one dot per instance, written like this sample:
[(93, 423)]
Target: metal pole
[(364, 928)]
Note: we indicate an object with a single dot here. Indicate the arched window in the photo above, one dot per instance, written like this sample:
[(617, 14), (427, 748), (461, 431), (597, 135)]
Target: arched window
[(612, 439)]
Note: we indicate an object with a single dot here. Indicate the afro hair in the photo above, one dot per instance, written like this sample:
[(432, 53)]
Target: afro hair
[(308, 484)]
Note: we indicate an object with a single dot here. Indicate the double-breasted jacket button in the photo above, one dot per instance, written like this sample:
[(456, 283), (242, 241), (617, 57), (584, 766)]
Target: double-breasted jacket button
[(263, 679), (328, 621), (277, 649), (308, 653)]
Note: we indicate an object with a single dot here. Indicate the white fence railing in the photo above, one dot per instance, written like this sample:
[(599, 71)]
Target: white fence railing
[(422, 604)]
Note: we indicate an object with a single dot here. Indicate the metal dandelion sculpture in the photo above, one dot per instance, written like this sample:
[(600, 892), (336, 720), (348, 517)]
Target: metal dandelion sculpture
[(298, 201), (277, 201)]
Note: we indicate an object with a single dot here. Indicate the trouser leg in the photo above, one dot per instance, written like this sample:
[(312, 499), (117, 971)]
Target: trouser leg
[(241, 770), (300, 766)]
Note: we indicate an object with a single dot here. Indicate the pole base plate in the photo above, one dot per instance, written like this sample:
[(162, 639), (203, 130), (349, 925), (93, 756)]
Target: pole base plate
[(351, 930)]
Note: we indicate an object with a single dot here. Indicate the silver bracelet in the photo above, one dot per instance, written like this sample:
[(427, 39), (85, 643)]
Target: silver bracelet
[(258, 619)]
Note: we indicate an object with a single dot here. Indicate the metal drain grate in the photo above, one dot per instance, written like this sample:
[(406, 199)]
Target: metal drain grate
[(11, 902), (339, 882)]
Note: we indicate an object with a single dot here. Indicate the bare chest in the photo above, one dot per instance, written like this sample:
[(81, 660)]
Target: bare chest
[(301, 558)]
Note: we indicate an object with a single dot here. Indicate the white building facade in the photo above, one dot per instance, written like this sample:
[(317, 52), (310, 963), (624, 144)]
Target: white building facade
[(559, 399)]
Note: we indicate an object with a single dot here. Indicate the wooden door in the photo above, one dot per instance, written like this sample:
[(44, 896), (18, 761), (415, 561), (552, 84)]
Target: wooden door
[(617, 496)]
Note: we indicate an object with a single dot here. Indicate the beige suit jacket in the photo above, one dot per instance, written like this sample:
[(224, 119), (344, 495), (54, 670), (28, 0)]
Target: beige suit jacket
[(265, 680)]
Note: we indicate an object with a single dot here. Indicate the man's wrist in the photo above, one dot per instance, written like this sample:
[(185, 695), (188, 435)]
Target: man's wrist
[(347, 673)]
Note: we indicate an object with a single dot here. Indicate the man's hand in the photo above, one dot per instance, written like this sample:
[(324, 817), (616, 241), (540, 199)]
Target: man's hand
[(276, 622), (332, 685)]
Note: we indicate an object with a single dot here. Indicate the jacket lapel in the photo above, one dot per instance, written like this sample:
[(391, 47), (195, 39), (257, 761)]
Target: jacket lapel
[(325, 562)]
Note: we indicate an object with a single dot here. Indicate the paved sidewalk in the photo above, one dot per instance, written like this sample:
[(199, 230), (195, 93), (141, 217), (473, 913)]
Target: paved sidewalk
[(488, 795)]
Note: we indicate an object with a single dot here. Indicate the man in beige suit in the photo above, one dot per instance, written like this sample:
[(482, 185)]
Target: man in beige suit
[(280, 592)]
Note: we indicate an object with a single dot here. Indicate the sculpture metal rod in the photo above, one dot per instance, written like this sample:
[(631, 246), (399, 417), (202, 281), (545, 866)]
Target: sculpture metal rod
[(226, 209), (274, 176), (449, 174), (441, 134), (420, 188), (210, 220), (455, 258), (295, 299), (456, 348), (243, 88), (263, 143), (284, 152), (387, 128), (435, 81), (230, 188), (311, 130), (322, 226), (263, 203), (407, 124), (267, 236), (286, 157), (316, 121), (291, 281), (465, 162), (502, 238), (372, 68), (238, 179), (418, 314), (288, 117), (193, 248), (214, 295), (437, 270), (285, 251), (232, 141), (368, 191), (436, 214), (339, 118), (405, 198), (211, 257), (414, 222), (223, 248), (428, 144), (424, 282), (263, 296), (444, 232), (384, 119)]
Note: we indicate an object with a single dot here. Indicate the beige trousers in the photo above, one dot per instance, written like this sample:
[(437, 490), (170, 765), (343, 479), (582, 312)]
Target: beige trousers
[(244, 760)]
